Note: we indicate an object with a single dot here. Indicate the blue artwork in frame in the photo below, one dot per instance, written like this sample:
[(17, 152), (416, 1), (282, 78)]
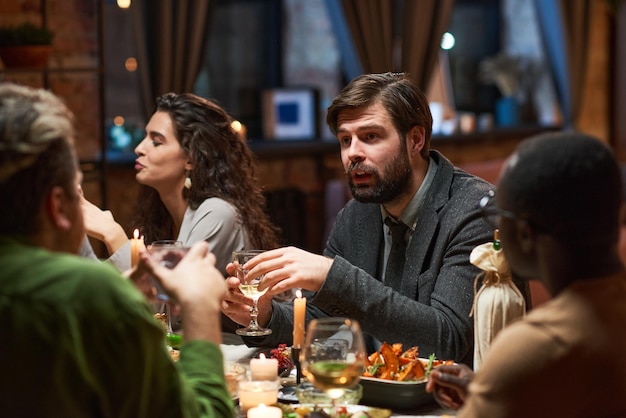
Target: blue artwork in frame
[(290, 114)]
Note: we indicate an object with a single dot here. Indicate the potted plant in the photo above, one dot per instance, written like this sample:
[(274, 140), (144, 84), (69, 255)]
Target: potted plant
[(507, 73), (25, 45)]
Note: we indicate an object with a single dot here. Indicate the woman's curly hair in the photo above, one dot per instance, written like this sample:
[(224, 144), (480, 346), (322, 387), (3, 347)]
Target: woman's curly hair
[(223, 167)]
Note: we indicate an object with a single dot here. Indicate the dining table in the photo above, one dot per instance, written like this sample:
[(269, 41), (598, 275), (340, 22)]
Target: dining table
[(235, 350)]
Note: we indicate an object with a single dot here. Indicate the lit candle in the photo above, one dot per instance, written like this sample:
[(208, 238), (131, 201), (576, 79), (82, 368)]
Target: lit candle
[(299, 311), (263, 368), (252, 394), (263, 411), (136, 245)]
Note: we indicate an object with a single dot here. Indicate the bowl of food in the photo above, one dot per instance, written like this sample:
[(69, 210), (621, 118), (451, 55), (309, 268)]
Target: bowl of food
[(396, 378), (309, 394), (392, 394)]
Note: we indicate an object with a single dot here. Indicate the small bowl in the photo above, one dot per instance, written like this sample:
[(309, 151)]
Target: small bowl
[(235, 373), (308, 394)]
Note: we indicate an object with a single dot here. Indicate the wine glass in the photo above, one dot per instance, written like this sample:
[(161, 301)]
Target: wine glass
[(333, 356), (249, 286), (168, 253)]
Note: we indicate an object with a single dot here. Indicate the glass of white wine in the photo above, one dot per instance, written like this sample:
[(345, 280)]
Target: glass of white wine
[(333, 356), (168, 253), (249, 286)]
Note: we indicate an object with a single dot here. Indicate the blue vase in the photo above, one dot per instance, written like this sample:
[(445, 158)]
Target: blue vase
[(507, 111)]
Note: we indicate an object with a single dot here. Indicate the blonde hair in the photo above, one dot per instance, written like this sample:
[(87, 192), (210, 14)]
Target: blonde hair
[(30, 119), (36, 154)]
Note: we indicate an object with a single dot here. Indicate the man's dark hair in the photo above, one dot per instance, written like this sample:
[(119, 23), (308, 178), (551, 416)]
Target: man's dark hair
[(406, 103)]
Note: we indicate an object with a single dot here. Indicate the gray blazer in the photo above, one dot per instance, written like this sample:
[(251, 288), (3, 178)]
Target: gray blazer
[(432, 309)]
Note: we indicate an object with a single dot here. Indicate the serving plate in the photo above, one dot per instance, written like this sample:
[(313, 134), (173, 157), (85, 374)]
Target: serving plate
[(395, 395), (287, 394), (372, 412)]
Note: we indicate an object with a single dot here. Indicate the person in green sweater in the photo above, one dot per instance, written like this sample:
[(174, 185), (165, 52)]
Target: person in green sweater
[(80, 339)]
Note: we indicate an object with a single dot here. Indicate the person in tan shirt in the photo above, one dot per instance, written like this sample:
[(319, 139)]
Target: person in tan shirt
[(557, 206)]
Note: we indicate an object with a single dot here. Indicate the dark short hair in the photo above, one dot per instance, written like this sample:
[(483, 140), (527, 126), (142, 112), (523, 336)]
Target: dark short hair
[(406, 103), (36, 154), (568, 182)]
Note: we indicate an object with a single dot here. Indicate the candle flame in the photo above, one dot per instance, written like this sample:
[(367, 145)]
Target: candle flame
[(262, 356), (298, 293), (136, 233), (261, 407)]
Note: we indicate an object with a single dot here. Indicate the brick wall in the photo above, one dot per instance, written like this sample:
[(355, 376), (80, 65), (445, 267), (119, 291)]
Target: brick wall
[(72, 68)]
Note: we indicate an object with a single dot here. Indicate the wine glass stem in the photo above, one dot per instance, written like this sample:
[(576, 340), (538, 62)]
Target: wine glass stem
[(168, 314), (254, 313), (333, 403)]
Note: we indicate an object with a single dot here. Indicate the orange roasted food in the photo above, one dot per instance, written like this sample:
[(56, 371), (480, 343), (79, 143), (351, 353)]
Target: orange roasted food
[(390, 362)]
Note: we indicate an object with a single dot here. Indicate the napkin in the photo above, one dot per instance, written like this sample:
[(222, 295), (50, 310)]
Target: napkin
[(235, 350)]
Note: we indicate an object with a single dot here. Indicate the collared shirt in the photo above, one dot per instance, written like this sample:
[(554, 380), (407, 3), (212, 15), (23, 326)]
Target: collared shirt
[(410, 214)]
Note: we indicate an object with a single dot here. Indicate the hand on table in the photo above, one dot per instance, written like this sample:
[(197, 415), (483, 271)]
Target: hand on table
[(448, 384)]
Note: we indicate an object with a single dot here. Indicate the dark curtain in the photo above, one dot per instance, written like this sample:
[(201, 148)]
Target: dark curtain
[(171, 37), (398, 35), (371, 23), (425, 22), (565, 30)]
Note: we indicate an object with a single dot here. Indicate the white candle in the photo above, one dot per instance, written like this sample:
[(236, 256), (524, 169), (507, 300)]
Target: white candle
[(263, 411), (263, 368), (136, 245), (299, 312), (253, 393)]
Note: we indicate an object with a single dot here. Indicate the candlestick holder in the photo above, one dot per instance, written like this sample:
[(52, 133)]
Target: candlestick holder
[(295, 357)]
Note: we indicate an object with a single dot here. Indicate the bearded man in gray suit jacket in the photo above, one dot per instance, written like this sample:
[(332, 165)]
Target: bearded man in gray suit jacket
[(383, 124)]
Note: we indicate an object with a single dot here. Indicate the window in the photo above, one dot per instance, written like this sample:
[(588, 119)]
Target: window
[(475, 26)]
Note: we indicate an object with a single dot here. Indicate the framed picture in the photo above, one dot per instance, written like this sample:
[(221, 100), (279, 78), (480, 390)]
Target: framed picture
[(290, 114)]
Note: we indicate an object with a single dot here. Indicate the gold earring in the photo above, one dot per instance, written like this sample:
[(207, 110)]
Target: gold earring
[(188, 183)]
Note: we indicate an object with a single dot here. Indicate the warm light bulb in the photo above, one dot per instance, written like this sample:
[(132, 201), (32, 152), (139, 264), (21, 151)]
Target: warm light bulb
[(118, 120), (123, 4), (130, 64)]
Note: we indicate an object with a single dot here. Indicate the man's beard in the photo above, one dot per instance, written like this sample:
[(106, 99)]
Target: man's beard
[(396, 177)]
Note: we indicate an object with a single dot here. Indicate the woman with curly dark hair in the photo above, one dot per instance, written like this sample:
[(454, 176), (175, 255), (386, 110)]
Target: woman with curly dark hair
[(198, 183)]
